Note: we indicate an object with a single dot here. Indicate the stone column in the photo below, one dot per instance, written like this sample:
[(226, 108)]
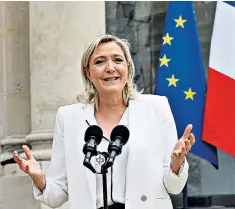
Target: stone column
[(14, 102), (14, 78), (59, 32)]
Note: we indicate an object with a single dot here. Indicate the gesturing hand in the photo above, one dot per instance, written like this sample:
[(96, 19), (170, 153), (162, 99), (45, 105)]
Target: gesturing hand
[(181, 148), (29, 166)]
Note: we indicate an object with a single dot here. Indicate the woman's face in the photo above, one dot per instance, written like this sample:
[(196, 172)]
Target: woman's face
[(108, 68)]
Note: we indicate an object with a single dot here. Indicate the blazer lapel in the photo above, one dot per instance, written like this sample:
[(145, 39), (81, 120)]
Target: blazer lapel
[(91, 178), (138, 123), (137, 145)]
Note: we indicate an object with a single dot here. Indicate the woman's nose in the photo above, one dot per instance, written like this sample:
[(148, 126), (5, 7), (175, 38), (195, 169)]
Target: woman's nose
[(109, 68)]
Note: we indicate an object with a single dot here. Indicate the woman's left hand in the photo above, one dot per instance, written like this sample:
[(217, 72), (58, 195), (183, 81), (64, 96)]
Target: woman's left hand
[(181, 148)]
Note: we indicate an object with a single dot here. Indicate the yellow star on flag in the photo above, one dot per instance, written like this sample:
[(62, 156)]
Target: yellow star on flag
[(180, 22), (172, 80), (164, 61), (167, 39), (189, 94)]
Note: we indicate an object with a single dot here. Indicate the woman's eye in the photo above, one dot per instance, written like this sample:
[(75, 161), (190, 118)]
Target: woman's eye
[(118, 60), (98, 62)]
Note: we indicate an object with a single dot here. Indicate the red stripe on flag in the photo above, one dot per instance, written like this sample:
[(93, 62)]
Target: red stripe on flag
[(219, 117)]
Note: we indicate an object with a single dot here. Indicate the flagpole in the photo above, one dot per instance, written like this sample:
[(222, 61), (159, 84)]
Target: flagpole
[(185, 197)]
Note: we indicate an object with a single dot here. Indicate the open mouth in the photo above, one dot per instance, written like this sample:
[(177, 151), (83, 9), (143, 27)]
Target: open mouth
[(111, 79)]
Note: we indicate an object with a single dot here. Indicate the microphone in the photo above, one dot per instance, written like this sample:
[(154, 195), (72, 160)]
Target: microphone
[(93, 137), (119, 137)]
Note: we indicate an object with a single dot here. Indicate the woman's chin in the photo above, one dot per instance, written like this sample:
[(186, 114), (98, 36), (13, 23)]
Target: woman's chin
[(111, 90)]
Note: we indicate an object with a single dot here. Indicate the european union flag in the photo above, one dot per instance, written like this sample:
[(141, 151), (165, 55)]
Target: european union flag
[(181, 77)]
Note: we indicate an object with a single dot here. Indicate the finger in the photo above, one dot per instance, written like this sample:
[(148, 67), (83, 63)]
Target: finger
[(21, 164), (18, 160), (183, 151), (181, 140), (179, 143), (175, 154), (187, 131), (16, 157), (187, 145), (27, 152), (192, 139)]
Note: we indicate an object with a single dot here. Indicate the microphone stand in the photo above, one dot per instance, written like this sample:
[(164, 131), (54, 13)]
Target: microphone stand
[(119, 137), (104, 177), (105, 198)]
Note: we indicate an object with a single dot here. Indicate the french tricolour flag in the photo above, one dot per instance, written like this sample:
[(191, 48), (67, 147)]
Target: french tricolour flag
[(219, 117)]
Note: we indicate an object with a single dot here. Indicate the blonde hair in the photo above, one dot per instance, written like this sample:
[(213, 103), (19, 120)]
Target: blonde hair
[(130, 90)]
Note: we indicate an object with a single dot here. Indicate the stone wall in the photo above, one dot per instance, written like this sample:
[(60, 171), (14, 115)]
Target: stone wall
[(14, 77), (41, 44), (142, 24)]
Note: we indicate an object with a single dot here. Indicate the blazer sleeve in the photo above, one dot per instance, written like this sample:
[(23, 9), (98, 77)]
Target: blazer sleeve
[(55, 193), (173, 183)]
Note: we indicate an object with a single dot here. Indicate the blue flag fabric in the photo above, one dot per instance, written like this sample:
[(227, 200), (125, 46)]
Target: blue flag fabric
[(181, 77)]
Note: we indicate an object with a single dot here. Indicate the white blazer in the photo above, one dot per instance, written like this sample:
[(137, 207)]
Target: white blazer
[(149, 178)]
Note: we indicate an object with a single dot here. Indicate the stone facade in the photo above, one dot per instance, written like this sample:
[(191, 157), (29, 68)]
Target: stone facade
[(14, 79), (41, 45)]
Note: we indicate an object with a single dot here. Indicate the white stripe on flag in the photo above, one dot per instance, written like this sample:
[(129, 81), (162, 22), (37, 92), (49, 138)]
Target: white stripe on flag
[(222, 53)]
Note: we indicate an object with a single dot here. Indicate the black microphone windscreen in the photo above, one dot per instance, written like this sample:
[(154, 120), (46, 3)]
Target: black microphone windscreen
[(94, 131), (121, 131)]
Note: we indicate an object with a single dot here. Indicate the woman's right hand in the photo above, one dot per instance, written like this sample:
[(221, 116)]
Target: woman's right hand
[(31, 167)]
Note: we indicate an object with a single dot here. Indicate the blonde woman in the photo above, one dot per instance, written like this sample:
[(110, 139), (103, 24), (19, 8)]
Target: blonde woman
[(152, 163)]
